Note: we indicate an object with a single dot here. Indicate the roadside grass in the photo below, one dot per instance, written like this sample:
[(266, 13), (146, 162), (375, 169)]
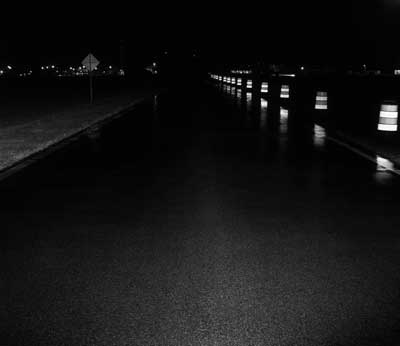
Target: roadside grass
[(28, 132)]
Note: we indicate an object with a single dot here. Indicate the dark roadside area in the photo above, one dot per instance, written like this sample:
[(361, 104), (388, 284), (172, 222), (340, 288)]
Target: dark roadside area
[(26, 99), (37, 113)]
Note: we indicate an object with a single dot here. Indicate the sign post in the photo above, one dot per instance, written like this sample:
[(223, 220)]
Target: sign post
[(90, 63)]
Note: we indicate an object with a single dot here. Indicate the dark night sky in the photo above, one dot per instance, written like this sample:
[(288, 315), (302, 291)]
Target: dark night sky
[(351, 31)]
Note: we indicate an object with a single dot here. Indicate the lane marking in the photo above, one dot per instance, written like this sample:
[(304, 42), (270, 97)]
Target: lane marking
[(364, 155)]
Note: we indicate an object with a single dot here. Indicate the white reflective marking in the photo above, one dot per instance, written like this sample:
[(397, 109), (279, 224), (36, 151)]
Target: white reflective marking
[(388, 117), (285, 91), (390, 128), (386, 114), (321, 101), (359, 152), (264, 87)]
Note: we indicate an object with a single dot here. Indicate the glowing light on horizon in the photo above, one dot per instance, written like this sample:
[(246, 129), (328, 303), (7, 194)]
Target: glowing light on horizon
[(241, 71)]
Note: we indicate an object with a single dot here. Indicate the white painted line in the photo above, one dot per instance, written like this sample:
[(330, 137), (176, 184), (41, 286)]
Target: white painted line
[(362, 154)]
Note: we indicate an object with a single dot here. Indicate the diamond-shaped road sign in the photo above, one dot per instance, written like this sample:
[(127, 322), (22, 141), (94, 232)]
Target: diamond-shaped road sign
[(90, 62)]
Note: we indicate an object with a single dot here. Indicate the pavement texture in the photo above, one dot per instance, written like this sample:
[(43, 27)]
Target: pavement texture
[(180, 226)]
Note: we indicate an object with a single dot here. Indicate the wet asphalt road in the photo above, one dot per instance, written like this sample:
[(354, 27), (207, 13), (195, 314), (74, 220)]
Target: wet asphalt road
[(184, 224)]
